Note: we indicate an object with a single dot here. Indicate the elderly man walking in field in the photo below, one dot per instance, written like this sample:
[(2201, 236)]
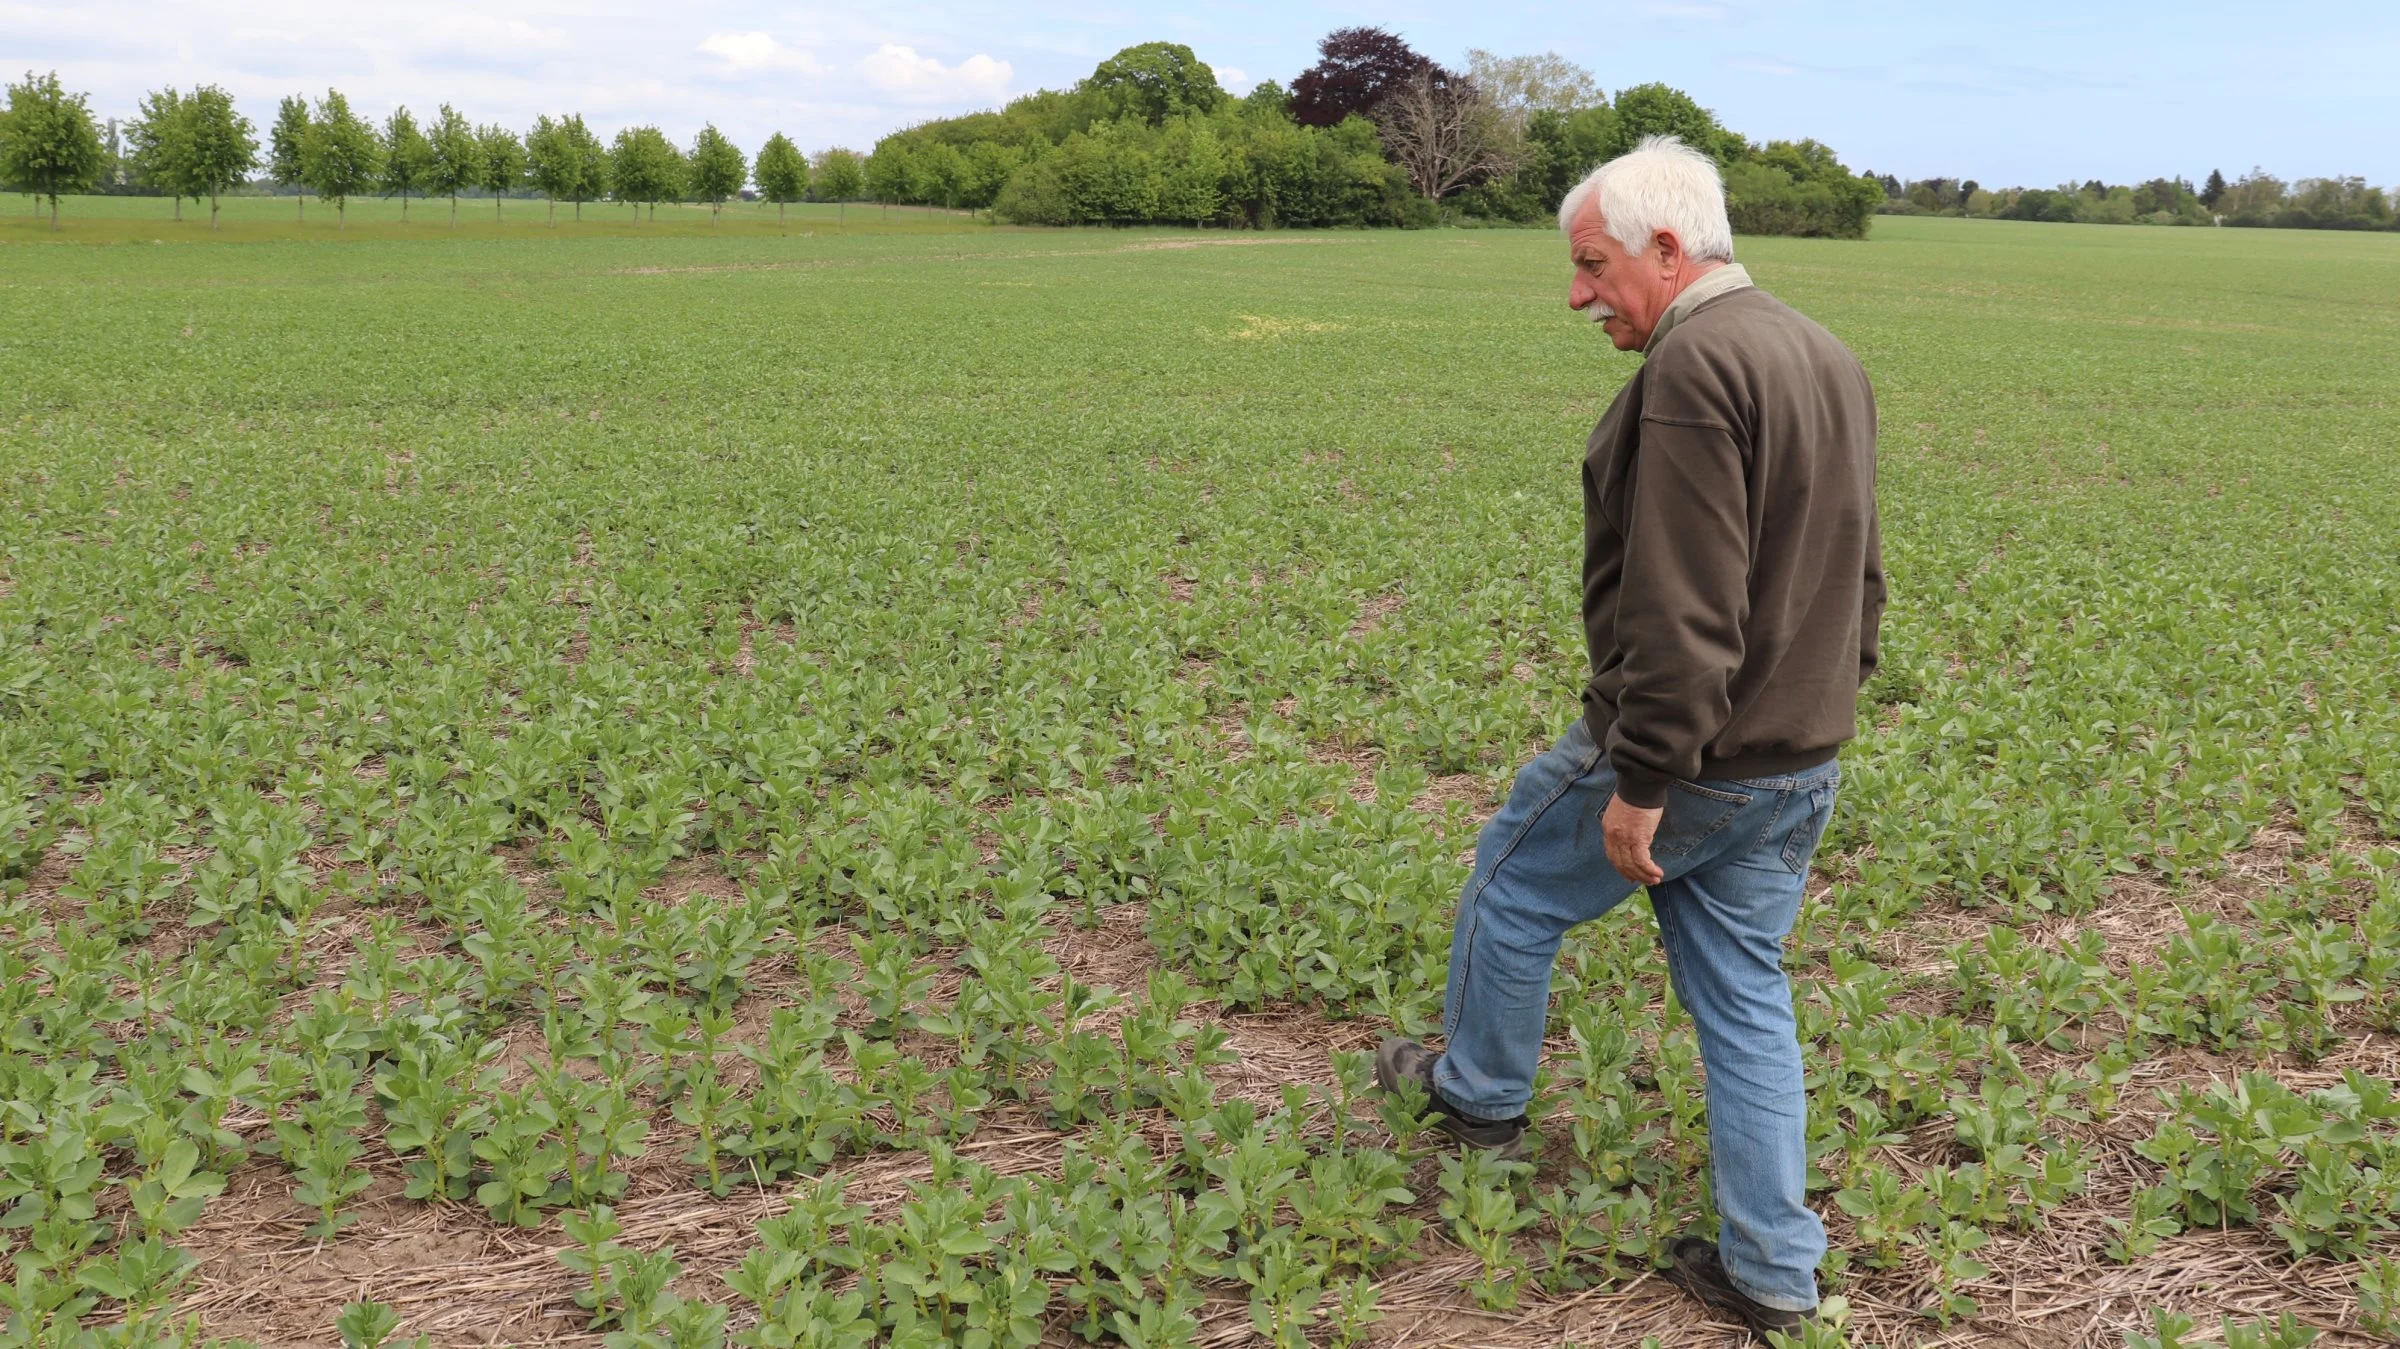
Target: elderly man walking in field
[(1732, 591)]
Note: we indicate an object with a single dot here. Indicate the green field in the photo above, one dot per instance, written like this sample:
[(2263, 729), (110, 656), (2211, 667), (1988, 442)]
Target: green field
[(913, 764), (251, 219)]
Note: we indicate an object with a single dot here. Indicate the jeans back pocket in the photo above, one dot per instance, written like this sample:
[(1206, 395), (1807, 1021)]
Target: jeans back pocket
[(1693, 814), (1801, 843)]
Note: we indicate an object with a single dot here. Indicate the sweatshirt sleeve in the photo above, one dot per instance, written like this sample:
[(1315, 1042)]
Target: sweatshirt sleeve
[(1683, 600)]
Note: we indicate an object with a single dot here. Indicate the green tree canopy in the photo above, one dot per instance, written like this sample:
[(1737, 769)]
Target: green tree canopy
[(567, 162), (1192, 185), (49, 144), (285, 161), (839, 175), (547, 162), (457, 158), (220, 145), (587, 159), (1094, 154), (782, 172), (342, 156), (1267, 101), (1660, 110), (718, 169), (936, 173), (1800, 188), (158, 145), (1151, 83), (1561, 147), (407, 157), (503, 163), (888, 172), (644, 167)]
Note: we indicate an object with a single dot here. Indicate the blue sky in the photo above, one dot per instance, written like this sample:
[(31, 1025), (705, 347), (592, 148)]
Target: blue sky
[(2032, 93)]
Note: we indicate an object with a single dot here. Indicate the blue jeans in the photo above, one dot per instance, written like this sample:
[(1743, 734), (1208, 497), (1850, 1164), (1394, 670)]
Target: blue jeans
[(1735, 854)]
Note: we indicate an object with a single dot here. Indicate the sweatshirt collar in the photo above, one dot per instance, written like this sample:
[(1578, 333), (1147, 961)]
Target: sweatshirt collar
[(1730, 277)]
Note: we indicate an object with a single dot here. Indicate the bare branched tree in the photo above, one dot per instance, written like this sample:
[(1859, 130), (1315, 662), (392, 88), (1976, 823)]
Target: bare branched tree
[(1442, 130)]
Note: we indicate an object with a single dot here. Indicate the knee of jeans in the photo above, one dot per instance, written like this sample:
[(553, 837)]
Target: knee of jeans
[(1762, 1079), (1504, 921)]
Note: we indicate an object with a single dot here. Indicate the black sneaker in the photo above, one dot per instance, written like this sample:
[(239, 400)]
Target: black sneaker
[(1699, 1272), (1398, 1061)]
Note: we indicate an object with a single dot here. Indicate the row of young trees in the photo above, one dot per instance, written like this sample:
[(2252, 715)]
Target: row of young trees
[(198, 145), (2258, 199), (1374, 133)]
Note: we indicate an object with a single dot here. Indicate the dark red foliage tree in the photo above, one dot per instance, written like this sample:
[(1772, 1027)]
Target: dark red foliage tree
[(1358, 67)]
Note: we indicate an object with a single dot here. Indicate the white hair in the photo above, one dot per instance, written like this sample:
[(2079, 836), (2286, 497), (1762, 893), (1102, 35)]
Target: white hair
[(1660, 184)]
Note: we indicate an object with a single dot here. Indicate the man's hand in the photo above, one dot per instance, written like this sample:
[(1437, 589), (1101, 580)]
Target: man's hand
[(1627, 830)]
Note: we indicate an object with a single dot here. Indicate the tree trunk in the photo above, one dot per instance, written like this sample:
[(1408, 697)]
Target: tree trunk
[(496, 200), (454, 210), (300, 200), (779, 215), (37, 205), (579, 210), (212, 208), (554, 213), (179, 208), (341, 213), (404, 206)]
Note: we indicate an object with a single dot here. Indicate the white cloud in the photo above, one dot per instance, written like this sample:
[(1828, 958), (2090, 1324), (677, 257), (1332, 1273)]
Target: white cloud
[(746, 52), (902, 73), (1231, 79), (473, 31)]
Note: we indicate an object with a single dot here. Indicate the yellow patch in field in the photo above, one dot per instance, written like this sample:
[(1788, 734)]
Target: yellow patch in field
[(1256, 327)]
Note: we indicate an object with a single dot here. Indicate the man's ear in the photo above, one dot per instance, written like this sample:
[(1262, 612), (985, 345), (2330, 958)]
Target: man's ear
[(1667, 250)]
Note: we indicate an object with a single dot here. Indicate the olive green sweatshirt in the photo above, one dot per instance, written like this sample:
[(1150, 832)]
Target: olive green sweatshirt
[(1732, 570)]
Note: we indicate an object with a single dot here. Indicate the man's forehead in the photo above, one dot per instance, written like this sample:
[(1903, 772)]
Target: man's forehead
[(1584, 236)]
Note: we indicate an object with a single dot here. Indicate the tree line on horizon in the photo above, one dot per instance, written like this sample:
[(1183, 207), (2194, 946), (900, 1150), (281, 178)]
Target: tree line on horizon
[(2257, 200), (1374, 133), (198, 145)]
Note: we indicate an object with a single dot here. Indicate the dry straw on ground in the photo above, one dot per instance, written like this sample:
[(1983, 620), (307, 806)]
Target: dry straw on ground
[(459, 1279)]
